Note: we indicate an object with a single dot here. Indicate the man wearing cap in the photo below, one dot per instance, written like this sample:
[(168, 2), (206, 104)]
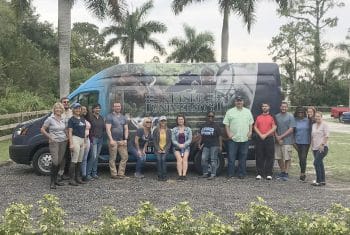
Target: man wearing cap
[(117, 132), (238, 123)]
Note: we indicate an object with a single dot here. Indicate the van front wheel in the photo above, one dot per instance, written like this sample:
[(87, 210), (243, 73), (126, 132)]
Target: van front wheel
[(42, 161), (198, 163)]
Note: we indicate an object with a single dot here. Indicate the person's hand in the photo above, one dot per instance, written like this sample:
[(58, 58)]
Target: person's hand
[(263, 136), (51, 140), (249, 135), (230, 135), (200, 146), (113, 143), (321, 149), (71, 147), (181, 146)]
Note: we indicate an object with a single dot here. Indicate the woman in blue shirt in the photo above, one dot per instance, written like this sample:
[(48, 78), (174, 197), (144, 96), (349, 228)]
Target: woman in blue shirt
[(302, 135)]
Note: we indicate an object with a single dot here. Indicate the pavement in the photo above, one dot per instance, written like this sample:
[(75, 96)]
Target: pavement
[(336, 126)]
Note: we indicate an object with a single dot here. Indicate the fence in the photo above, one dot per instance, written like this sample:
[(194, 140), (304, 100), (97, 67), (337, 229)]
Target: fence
[(18, 118)]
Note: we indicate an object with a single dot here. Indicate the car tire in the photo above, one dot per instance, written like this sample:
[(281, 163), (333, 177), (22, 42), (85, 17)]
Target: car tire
[(42, 161), (198, 163)]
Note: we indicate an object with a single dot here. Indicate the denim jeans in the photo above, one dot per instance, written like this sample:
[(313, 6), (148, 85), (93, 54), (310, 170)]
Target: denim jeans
[(319, 166), (85, 157), (94, 154), (237, 151), (302, 150), (139, 159), (161, 165), (210, 154)]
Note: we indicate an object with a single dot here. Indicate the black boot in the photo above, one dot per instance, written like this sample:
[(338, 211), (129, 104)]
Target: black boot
[(72, 174), (77, 173), (58, 183), (53, 173)]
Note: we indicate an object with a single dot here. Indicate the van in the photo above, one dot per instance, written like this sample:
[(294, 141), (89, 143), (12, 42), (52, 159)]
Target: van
[(161, 89)]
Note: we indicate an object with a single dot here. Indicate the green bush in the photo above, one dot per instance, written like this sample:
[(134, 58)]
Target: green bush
[(259, 219)]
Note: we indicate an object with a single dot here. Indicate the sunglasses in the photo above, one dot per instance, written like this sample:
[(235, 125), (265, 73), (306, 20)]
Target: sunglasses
[(65, 102)]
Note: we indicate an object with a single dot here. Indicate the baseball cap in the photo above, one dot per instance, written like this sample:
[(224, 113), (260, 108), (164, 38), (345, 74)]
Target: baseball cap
[(238, 97), (162, 118), (75, 106)]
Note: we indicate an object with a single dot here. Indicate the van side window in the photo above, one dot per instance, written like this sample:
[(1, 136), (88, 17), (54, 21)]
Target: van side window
[(87, 99)]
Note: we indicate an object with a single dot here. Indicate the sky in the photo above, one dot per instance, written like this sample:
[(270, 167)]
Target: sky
[(205, 16)]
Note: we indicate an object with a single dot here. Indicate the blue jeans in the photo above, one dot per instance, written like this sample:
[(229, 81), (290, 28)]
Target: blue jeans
[(94, 154), (85, 158), (237, 151), (319, 166), (161, 165), (212, 154), (139, 159)]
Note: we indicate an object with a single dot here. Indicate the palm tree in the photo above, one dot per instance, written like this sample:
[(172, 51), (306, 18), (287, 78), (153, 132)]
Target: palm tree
[(194, 48), (133, 29), (244, 8), (100, 8), (342, 64)]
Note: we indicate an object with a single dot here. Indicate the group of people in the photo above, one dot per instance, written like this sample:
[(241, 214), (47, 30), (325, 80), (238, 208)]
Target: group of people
[(76, 137), (276, 135)]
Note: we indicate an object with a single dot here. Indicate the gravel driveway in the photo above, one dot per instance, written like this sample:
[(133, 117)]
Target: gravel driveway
[(223, 196)]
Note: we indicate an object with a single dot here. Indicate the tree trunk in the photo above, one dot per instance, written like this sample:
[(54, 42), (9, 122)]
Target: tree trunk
[(317, 47), (225, 36), (64, 40)]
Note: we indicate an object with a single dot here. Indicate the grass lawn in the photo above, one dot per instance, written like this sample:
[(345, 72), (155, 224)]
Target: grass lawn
[(4, 150), (337, 161)]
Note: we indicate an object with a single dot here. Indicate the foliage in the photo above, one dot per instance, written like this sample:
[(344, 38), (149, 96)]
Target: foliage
[(24, 101), (17, 219), (259, 219), (51, 219), (341, 64), (194, 48), (134, 29), (244, 8)]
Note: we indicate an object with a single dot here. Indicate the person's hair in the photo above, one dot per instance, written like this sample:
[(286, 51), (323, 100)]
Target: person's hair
[(57, 105), (284, 102), (87, 112), (209, 112), (63, 98), (262, 103), (145, 120), (180, 115), (95, 106), (298, 110), (313, 109), (319, 112)]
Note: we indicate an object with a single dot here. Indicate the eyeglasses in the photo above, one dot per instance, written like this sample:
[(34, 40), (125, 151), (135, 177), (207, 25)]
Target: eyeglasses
[(210, 116), (65, 102)]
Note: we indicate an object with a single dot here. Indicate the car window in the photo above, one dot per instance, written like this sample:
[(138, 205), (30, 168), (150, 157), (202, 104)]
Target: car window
[(87, 99)]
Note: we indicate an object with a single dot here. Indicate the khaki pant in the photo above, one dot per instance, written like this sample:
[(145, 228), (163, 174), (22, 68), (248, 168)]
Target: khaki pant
[(57, 150), (78, 149), (123, 152)]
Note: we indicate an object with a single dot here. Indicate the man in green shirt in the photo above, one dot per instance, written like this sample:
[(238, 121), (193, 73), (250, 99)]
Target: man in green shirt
[(238, 126)]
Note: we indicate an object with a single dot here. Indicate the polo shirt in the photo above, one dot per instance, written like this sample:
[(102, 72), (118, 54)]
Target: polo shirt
[(239, 121)]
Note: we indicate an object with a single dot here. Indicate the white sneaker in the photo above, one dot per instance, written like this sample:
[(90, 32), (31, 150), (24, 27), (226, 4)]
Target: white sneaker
[(258, 177), (269, 177)]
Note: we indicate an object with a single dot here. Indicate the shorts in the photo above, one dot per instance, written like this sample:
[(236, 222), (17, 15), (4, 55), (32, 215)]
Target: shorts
[(283, 152)]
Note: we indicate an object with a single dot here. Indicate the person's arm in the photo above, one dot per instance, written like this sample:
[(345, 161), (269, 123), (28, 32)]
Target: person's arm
[(136, 142), (45, 133), (168, 141), (174, 139), (70, 137), (189, 140), (250, 132), (258, 132), (155, 137), (108, 132), (228, 131)]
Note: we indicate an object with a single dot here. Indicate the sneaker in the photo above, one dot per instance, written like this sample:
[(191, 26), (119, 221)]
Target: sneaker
[(285, 177), (179, 178), (115, 177), (205, 176), (269, 177), (316, 184), (302, 178), (280, 175), (322, 183), (211, 177), (139, 175), (258, 177), (184, 178), (95, 177)]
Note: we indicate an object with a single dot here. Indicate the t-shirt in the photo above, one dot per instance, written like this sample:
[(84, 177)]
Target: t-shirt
[(210, 132), (239, 122), (78, 126), (284, 122), (97, 126), (302, 131), (264, 123), (143, 138), (318, 134), (117, 125), (57, 128)]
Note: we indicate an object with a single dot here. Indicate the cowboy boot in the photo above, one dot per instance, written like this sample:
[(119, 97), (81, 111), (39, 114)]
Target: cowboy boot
[(58, 183), (77, 173), (72, 174)]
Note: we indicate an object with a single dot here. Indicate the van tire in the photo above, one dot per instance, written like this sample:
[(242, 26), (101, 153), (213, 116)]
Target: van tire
[(42, 161), (198, 163)]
